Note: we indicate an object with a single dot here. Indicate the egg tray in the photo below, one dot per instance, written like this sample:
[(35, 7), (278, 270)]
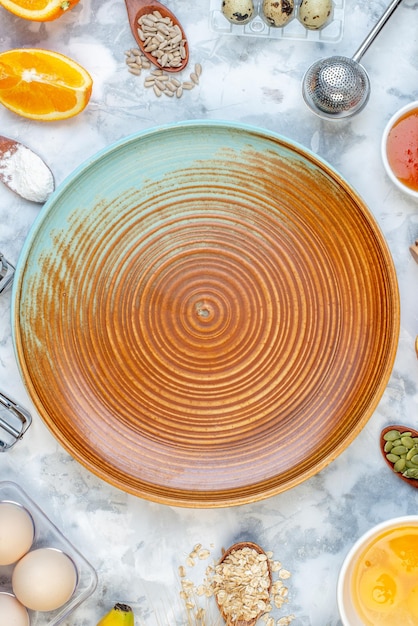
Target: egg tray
[(48, 535), (331, 32)]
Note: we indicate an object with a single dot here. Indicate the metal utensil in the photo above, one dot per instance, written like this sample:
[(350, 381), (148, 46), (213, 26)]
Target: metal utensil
[(7, 271), (14, 422), (338, 86), (138, 8), (24, 172)]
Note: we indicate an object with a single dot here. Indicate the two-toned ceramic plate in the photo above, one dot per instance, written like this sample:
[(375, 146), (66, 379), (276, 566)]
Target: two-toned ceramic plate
[(205, 314)]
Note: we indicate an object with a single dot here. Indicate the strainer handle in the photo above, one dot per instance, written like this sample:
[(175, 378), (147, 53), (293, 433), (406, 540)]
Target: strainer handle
[(375, 30)]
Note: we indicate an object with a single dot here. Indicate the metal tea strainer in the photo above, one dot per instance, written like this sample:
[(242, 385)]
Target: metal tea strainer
[(339, 86)]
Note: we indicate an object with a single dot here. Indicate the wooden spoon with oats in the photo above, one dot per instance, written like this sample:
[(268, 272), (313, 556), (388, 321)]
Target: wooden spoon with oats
[(243, 582)]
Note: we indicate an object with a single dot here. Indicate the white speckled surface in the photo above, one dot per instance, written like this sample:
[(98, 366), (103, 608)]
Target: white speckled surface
[(137, 545)]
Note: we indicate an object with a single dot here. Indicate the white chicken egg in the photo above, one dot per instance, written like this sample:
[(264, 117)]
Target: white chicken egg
[(44, 579), (238, 11), (17, 531), (12, 613), (314, 14)]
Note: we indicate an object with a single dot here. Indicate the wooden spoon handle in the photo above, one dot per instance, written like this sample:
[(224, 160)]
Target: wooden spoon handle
[(414, 251)]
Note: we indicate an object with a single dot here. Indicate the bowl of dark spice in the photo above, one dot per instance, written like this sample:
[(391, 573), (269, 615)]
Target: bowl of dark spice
[(399, 446)]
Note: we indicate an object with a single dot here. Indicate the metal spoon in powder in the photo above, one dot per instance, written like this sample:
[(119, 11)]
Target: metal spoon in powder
[(24, 172)]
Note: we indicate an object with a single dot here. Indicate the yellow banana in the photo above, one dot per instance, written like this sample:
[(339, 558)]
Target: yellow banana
[(120, 615)]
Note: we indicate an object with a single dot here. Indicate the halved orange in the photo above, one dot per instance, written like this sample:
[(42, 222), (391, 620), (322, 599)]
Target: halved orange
[(43, 85), (39, 10)]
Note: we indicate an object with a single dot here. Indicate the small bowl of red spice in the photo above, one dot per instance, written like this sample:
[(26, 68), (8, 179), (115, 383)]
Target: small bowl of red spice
[(399, 149)]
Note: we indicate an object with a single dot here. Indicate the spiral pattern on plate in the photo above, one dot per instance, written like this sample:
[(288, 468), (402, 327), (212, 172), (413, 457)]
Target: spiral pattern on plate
[(212, 317)]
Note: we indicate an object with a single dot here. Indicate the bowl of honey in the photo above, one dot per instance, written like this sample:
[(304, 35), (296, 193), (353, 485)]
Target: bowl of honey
[(378, 581), (399, 149)]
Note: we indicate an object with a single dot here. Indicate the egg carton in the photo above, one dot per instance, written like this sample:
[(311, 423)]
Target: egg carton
[(48, 535), (331, 32)]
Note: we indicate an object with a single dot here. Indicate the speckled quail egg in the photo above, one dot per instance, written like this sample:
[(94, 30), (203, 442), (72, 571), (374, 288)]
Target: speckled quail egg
[(278, 12), (238, 11), (313, 14)]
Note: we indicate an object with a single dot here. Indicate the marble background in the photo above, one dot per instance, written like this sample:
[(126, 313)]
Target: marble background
[(136, 545)]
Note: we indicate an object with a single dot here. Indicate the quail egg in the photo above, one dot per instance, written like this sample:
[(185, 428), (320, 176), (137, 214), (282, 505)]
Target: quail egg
[(314, 14), (238, 11), (278, 12)]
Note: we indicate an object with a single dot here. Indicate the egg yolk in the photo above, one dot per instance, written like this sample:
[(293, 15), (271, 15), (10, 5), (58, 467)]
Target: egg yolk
[(402, 149), (384, 582)]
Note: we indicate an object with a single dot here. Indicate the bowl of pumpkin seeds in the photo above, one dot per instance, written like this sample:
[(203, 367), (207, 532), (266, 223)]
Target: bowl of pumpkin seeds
[(399, 446)]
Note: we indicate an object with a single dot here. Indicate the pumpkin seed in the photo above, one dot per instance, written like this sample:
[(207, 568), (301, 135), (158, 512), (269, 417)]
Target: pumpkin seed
[(412, 452), (411, 473), (407, 441), (399, 466), (402, 451), (399, 450), (388, 446), (391, 435), (392, 457), (410, 464)]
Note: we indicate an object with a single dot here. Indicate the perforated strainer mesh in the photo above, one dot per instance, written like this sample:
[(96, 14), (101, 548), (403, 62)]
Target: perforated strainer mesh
[(336, 87)]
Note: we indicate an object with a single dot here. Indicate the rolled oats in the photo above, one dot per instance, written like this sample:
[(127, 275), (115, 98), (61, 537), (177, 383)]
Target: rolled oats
[(241, 584)]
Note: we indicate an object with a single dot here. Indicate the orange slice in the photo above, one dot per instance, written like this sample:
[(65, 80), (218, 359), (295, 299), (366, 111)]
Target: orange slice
[(39, 10), (43, 85)]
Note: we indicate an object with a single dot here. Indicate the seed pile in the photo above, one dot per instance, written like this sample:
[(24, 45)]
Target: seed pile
[(161, 82), (402, 451), (241, 585), (162, 39)]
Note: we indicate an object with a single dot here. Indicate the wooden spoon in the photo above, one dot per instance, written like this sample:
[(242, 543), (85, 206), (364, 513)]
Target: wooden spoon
[(414, 251), (136, 9), (402, 429), (24, 172), (234, 548)]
